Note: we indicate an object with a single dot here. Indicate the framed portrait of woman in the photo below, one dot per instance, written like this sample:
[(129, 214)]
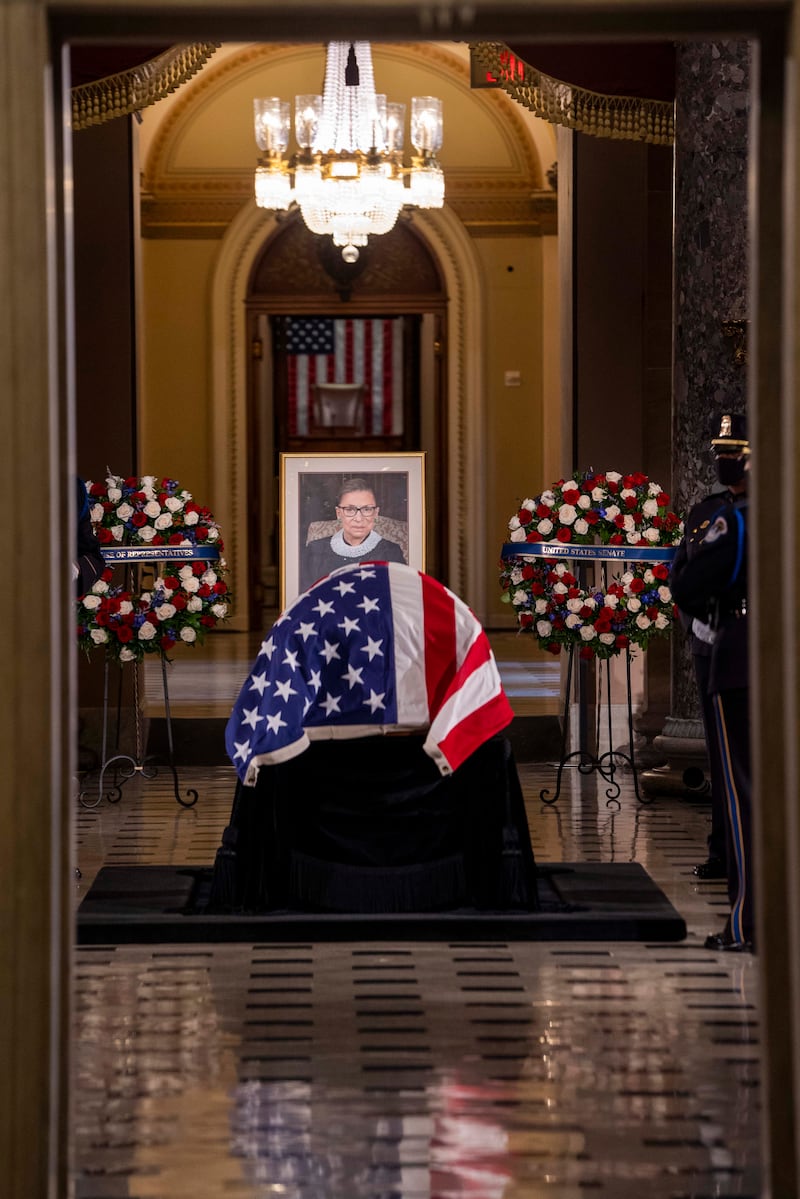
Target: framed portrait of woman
[(341, 508)]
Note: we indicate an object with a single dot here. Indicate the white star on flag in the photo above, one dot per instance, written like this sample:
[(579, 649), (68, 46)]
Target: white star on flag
[(291, 659), (315, 679), (323, 607), (375, 701), (344, 588), (285, 689), (331, 650), (372, 648), (260, 683), (275, 723), (330, 703), (364, 573), (242, 750), (268, 648), (306, 630), (349, 625), (353, 675), (251, 716), (369, 605)]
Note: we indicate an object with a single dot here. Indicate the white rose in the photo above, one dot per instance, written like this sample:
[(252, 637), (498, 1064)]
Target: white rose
[(598, 494), (126, 655), (213, 534), (165, 611), (91, 602), (114, 495), (146, 598), (195, 604), (548, 498), (661, 621), (613, 476), (191, 584), (147, 533), (581, 526), (628, 523), (651, 535), (584, 502), (518, 535), (611, 601), (529, 504), (185, 572), (544, 628), (173, 503), (570, 485), (612, 512), (649, 577), (188, 634), (590, 601), (607, 638), (626, 491), (643, 620), (665, 595), (540, 606), (147, 631), (519, 597), (632, 537), (218, 610), (99, 636), (634, 604), (650, 508), (654, 489), (191, 518), (574, 605), (560, 589), (152, 509), (125, 607), (516, 576), (560, 569), (97, 513), (210, 577), (567, 514), (100, 587), (164, 520), (117, 531), (125, 511), (572, 621), (588, 632), (512, 524), (148, 481), (545, 527), (627, 578)]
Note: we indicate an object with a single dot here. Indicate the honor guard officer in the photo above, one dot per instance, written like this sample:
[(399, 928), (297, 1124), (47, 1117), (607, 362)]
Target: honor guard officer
[(711, 585)]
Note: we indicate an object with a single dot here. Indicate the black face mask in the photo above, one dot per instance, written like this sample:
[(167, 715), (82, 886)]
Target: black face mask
[(730, 471)]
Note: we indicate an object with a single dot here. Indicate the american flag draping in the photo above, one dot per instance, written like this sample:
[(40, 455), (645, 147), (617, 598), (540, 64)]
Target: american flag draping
[(322, 349), (368, 649)]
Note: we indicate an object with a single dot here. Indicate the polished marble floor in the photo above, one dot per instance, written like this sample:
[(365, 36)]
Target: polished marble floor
[(413, 1071)]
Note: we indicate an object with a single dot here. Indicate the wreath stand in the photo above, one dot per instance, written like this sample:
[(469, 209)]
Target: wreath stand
[(613, 760), (126, 766)]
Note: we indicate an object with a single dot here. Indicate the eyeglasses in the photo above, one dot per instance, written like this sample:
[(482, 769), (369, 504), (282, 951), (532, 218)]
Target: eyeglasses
[(351, 511)]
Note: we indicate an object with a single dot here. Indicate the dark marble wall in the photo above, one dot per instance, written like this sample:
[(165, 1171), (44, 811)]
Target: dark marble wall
[(710, 284)]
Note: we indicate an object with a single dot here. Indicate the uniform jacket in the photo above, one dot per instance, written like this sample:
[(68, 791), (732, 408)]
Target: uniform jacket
[(697, 524), (712, 584)]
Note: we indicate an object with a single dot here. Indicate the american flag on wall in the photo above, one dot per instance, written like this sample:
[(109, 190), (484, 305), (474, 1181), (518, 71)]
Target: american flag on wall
[(324, 349), (369, 648)]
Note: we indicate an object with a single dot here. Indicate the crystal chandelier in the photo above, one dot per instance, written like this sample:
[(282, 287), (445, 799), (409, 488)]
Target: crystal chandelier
[(348, 177)]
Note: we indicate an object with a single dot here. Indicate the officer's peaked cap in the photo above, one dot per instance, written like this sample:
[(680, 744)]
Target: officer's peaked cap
[(732, 436)]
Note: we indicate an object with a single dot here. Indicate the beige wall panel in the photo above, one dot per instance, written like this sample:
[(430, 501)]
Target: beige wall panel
[(175, 421), (513, 448)]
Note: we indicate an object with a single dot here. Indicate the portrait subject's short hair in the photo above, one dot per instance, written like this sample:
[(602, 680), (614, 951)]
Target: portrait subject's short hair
[(354, 485)]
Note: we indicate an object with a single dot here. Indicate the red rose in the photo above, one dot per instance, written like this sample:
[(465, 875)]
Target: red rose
[(198, 568), (571, 497), (202, 534), (554, 647), (191, 507), (525, 620), (175, 538), (621, 641), (661, 571), (140, 497), (167, 642), (204, 590), (657, 522), (662, 499), (528, 571), (220, 587), (131, 481), (564, 534), (533, 536), (569, 579), (558, 623), (619, 521), (101, 618), (591, 516), (179, 601), (573, 593), (151, 617), (637, 518), (172, 583), (630, 501), (613, 486), (636, 585), (542, 510), (124, 633), (524, 516), (107, 506), (104, 536), (138, 519), (113, 603), (157, 539), (586, 652), (537, 588), (616, 539), (107, 575), (162, 496), (652, 611), (585, 612), (208, 621)]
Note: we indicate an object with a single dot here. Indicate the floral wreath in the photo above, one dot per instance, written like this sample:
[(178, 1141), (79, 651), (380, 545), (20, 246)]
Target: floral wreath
[(183, 601), (612, 509)]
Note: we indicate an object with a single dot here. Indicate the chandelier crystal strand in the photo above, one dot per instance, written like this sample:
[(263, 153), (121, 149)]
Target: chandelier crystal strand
[(348, 177)]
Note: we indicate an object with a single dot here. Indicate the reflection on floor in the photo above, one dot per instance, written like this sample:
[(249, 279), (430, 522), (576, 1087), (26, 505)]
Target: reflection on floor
[(413, 1071)]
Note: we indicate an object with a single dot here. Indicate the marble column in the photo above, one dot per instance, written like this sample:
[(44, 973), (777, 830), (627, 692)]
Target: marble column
[(711, 146)]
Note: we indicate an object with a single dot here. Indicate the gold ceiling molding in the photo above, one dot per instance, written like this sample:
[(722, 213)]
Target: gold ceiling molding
[(127, 92), (620, 117)]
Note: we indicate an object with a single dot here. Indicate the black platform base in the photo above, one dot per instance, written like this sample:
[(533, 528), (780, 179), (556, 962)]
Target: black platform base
[(581, 901)]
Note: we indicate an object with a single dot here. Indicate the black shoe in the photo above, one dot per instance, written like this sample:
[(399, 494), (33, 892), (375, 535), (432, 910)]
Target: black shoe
[(724, 943), (712, 868)]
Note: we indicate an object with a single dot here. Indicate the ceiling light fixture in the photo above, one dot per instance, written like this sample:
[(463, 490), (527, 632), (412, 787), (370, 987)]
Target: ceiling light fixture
[(348, 177)]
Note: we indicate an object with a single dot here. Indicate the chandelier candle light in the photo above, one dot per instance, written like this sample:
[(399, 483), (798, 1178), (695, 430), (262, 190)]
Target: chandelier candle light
[(348, 177)]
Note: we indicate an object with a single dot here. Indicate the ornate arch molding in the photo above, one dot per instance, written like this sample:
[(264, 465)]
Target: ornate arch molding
[(450, 243), (196, 202)]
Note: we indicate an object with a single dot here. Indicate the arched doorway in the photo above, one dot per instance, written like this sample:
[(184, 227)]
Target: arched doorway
[(386, 317)]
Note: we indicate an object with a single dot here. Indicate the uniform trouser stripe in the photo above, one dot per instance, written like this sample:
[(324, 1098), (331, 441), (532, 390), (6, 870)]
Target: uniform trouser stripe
[(735, 819)]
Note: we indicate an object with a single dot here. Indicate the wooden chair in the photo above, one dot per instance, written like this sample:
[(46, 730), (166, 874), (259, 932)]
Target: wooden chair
[(337, 409)]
